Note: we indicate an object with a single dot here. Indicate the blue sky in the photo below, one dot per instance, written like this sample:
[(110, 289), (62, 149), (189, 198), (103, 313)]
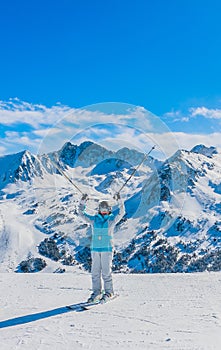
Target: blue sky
[(161, 55)]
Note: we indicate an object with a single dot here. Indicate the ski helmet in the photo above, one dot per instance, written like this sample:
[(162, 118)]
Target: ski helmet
[(104, 207)]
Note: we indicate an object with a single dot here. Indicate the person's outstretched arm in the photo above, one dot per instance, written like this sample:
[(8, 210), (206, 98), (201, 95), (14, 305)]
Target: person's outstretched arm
[(82, 209), (121, 212)]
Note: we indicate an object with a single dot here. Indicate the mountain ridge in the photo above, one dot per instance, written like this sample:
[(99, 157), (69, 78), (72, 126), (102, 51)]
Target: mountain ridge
[(170, 207)]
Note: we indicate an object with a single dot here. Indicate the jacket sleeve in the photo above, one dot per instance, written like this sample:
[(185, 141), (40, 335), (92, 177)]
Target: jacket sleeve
[(120, 214), (83, 214)]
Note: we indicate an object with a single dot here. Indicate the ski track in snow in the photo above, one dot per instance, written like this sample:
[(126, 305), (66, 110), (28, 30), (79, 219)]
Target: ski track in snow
[(162, 311)]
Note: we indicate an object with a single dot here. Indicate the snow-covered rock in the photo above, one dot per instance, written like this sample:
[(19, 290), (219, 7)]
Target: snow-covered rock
[(206, 151)]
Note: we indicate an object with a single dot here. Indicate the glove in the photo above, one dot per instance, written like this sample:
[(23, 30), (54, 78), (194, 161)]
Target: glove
[(117, 196), (84, 197)]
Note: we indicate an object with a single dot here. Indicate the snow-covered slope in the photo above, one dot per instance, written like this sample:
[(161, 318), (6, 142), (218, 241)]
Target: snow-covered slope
[(21, 166), (173, 209), (156, 312)]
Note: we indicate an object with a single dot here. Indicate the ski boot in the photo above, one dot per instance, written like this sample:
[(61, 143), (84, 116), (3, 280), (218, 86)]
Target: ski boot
[(106, 296), (94, 297)]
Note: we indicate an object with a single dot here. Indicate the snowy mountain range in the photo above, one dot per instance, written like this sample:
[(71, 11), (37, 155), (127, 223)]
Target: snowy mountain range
[(173, 209)]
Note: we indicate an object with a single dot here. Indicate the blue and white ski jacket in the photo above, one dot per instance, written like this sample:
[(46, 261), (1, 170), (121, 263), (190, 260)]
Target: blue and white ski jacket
[(102, 228)]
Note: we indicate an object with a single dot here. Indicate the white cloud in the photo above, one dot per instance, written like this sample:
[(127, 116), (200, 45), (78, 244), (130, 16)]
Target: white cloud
[(188, 141), (168, 143), (22, 138), (206, 112), (97, 124), (45, 132), (185, 119), (39, 118), (84, 117), (132, 127), (179, 116), (173, 114), (20, 112), (3, 150)]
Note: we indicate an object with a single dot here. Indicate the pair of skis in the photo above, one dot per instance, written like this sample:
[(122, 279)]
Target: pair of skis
[(88, 305)]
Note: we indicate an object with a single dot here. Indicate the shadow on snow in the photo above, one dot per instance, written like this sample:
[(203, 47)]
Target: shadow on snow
[(38, 316)]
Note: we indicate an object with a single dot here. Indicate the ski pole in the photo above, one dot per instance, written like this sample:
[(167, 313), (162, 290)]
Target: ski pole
[(63, 173), (116, 196)]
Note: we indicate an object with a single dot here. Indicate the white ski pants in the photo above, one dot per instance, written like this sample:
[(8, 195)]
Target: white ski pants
[(102, 266)]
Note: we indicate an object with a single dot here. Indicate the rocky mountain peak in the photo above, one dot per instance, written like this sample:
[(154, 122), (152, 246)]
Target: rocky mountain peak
[(206, 151)]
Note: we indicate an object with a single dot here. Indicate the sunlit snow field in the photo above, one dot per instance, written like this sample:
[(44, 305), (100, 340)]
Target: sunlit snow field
[(157, 311)]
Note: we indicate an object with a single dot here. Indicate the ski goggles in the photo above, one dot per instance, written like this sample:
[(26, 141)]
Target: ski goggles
[(104, 210)]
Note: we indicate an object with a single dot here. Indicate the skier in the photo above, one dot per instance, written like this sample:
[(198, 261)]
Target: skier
[(102, 246)]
